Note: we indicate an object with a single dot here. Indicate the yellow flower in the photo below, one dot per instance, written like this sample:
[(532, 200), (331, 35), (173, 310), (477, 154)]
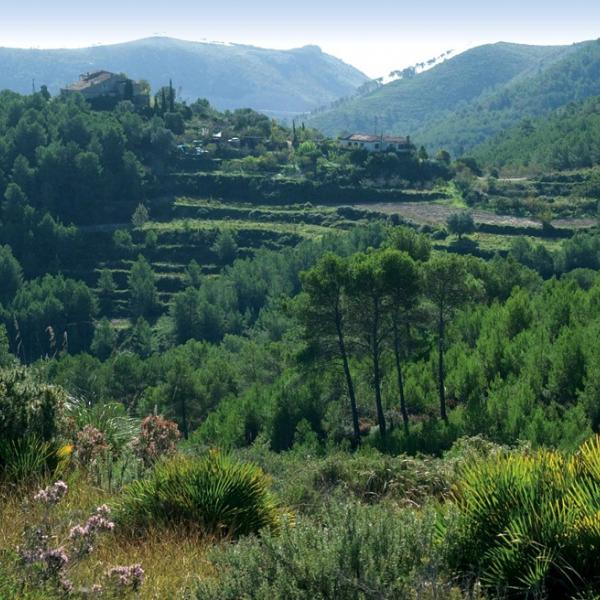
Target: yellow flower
[(65, 451)]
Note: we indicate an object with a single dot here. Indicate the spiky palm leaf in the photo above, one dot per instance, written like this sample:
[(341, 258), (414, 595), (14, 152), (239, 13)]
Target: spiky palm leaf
[(216, 493)]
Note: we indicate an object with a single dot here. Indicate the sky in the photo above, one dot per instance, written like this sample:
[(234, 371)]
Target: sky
[(375, 36)]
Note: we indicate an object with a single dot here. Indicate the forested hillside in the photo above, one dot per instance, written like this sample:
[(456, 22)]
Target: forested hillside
[(573, 78), (229, 75), (411, 104), (470, 98), (566, 139), (79, 187)]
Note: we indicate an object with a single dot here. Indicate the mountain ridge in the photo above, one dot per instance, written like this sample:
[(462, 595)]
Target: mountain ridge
[(419, 104), (572, 78), (230, 76)]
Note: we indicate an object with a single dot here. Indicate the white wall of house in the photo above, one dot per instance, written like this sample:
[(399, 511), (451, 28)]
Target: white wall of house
[(374, 146)]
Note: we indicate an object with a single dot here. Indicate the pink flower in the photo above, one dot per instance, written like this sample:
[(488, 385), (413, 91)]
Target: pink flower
[(157, 437), (90, 444), (127, 577), (53, 494), (85, 534)]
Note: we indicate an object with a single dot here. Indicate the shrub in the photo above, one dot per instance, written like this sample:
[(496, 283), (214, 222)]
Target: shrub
[(214, 493), (90, 444), (351, 551), (30, 417), (109, 418), (158, 437), (28, 407), (372, 477), (529, 523), (27, 458)]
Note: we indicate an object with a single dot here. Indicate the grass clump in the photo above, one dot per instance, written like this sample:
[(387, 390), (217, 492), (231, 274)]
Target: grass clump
[(528, 524), (215, 494)]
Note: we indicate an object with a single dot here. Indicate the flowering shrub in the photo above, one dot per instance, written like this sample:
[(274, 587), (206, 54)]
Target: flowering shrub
[(90, 444), (124, 578), (84, 535), (53, 494), (158, 437), (42, 562), (36, 555)]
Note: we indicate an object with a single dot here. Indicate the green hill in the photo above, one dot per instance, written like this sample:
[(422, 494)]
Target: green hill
[(573, 78), (408, 105), (567, 139), (469, 99), (280, 82)]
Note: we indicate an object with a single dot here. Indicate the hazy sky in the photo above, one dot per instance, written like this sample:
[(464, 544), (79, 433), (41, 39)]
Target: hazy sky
[(376, 36)]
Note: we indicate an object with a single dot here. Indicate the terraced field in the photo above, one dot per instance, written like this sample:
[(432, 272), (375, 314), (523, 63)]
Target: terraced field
[(185, 229), (436, 214)]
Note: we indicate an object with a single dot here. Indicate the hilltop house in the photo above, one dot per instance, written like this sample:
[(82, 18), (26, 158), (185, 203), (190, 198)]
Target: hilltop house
[(375, 143), (106, 85)]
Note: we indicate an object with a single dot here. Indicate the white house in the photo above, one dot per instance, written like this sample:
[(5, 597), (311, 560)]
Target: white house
[(375, 143)]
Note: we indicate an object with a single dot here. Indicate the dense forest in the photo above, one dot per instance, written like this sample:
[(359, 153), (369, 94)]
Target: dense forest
[(573, 78), (567, 139), (229, 370)]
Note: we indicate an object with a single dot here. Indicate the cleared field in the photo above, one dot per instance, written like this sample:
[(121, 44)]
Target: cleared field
[(434, 213), (491, 243), (183, 225)]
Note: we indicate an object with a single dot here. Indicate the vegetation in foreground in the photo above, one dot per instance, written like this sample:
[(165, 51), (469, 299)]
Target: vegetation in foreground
[(485, 521)]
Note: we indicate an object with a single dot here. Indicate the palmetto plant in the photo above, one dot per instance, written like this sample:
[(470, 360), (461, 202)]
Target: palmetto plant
[(529, 524), (215, 493)]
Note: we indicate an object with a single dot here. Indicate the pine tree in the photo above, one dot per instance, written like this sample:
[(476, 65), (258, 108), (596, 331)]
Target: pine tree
[(171, 97)]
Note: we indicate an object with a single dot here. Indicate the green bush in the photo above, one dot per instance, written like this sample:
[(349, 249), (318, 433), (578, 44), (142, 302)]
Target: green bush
[(30, 419), (351, 551), (371, 477), (528, 524), (215, 493)]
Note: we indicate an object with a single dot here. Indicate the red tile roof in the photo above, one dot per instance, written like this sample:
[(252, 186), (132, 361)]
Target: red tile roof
[(89, 79)]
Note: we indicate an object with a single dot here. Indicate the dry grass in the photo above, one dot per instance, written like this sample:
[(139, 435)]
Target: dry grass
[(437, 213), (172, 561)]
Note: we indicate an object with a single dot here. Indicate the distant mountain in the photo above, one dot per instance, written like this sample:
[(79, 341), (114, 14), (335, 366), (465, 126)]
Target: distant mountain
[(471, 97), (279, 82)]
